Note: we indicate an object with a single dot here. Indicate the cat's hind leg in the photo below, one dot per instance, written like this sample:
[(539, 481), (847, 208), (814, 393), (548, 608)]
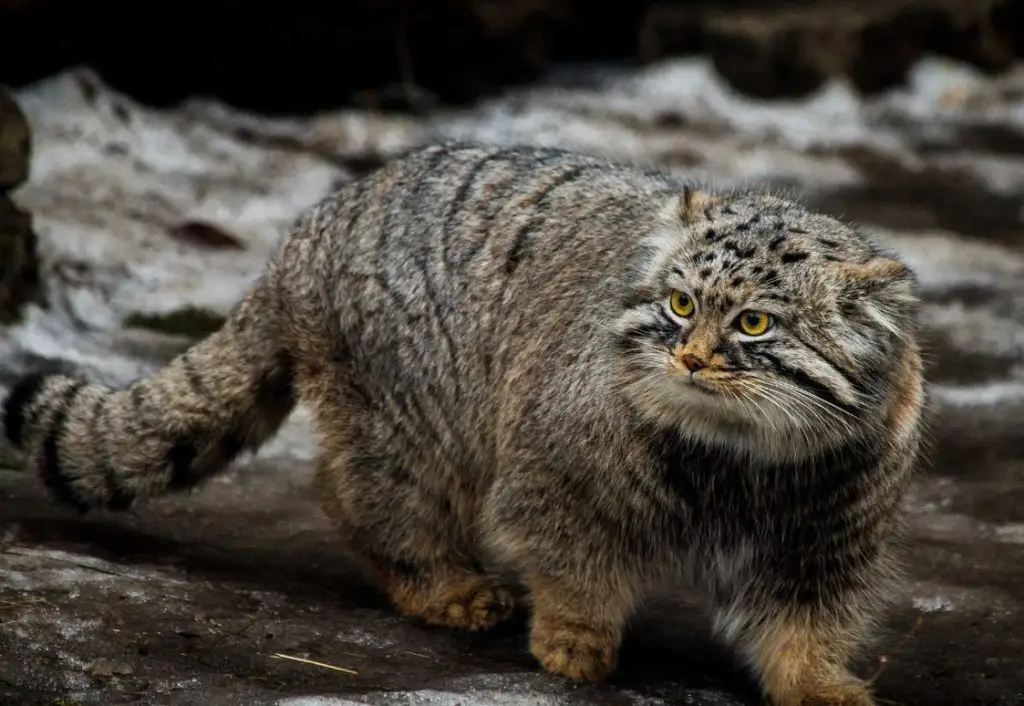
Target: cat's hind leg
[(411, 525)]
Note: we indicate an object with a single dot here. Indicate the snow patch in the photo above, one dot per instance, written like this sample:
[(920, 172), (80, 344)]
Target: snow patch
[(934, 604), (984, 395), (941, 598), (1011, 533), (974, 329), (432, 697), (942, 260), (30, 569), (109, 179)]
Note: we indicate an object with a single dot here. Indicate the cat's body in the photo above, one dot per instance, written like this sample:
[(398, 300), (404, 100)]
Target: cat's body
[(496, 345)]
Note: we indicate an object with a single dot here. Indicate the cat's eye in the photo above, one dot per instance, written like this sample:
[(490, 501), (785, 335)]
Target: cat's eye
[(755, 323), (681, 304)]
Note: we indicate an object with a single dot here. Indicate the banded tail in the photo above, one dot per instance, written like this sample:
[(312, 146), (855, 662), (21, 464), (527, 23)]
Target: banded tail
[(98, 447)]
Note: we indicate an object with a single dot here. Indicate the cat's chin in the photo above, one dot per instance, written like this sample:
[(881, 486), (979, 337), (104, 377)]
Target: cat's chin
[(694, 390), (714, 417), (715, 409)]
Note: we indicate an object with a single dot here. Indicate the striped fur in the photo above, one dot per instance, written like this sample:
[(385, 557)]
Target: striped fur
[(101, 448), (497, 377)]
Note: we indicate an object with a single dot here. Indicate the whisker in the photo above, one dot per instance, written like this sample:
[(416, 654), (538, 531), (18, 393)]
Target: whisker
[(808, 399), (816, 409)]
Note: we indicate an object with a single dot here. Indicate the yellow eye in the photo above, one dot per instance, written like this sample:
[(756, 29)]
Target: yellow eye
[(755, 323), (682, 304)]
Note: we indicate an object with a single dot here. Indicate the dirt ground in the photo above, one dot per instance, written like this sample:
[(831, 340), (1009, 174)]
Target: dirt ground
[(190, 599)]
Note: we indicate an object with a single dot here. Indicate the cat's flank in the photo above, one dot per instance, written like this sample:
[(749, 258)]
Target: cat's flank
[(596, 375)]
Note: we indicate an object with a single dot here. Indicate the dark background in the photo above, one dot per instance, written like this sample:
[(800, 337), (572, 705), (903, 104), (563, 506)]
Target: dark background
[(301, 55)]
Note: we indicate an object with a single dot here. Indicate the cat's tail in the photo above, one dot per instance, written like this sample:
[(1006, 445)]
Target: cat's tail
[(97, 447)]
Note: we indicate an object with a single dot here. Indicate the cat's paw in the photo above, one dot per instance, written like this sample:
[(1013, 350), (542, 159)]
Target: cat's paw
[(466, 602), (577, 652), (480, 608)]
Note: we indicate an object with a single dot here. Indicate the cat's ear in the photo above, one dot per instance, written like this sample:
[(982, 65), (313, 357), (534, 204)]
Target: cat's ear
[(878, 272), (694, 203), (877, 275), (883, 289)]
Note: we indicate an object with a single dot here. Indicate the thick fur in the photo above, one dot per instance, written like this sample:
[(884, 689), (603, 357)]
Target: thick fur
[(101, 448), (486, 340)]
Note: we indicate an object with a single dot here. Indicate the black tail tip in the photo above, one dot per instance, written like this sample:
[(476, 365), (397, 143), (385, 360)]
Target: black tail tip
[(17, 402)]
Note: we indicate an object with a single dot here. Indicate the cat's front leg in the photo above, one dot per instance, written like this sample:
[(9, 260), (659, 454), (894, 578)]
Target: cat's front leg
[(799, 654), (583, 582)]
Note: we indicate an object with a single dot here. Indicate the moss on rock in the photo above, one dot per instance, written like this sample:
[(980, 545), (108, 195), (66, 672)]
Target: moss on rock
[(194, 322)]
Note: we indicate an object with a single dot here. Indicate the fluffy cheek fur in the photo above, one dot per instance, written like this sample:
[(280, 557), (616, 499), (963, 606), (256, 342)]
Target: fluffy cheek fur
[(759, 412), (735, 415)]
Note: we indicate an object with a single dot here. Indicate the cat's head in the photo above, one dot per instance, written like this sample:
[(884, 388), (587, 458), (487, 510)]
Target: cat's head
[(763, 326)]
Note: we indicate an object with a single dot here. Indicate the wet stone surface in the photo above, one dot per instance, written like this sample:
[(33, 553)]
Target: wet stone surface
[(188, 599)]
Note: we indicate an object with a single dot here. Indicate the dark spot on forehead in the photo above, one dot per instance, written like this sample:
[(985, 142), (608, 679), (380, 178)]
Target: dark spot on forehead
[(757, 269), (711, 235), (743, 227), (705, 256), (828, 243), (797, 230), (704, 272), (771, 277), (778, 297), (776, 242), (737, 281), (756, 218), (792, 257), (732, 266), (833, 258), (741, 252)]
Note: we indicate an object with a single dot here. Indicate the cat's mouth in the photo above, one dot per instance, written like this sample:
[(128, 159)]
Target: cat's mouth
[(711, 386), (707, 381), (699, 381)]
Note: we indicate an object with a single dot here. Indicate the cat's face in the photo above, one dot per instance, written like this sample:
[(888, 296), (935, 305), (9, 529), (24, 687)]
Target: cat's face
[(760, 324)]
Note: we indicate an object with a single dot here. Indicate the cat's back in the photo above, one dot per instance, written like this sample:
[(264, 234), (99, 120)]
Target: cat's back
[(440, 268), (471, 206), (433, 247)]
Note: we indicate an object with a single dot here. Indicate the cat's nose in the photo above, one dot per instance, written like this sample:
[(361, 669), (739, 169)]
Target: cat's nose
[(693, 363)]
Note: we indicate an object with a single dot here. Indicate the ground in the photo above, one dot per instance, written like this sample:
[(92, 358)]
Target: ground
[(189, 599)]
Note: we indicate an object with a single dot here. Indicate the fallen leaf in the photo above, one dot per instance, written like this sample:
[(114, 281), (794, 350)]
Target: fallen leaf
[(206, 234)]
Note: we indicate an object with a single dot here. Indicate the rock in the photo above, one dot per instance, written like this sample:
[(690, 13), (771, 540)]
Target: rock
[(15, 145), (789, 49), (109, 668), (19, 265)]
